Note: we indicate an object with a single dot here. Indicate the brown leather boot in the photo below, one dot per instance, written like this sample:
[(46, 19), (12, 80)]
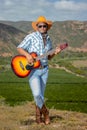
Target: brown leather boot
[(38, 115), (45, 112)]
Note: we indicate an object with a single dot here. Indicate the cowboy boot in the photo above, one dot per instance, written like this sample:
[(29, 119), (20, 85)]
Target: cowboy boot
[(45, 112), (38, 115)]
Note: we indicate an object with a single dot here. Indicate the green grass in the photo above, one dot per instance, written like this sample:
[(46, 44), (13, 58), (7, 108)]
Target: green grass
[(64, 91), (66, 60), (67, 96)]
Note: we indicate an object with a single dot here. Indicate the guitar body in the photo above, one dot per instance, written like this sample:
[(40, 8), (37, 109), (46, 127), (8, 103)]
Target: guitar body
[(21, 67)]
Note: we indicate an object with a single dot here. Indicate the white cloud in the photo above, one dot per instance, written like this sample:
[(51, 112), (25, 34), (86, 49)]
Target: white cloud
[(8, 3), (70, 5), (31, 9)]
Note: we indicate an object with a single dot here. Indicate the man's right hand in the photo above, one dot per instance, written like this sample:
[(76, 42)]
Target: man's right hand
[(25, 53), (29, 59)]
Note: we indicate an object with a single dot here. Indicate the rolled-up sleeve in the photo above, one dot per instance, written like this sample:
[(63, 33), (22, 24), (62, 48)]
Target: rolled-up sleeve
[(25, 43)]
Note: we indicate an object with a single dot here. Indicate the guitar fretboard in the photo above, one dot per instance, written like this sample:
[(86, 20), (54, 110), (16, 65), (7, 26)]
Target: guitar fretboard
[(46, 54), (62, 46)]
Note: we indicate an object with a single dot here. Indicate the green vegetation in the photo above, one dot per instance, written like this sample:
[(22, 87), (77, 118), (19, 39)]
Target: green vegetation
[(66, 60), (64, 91)]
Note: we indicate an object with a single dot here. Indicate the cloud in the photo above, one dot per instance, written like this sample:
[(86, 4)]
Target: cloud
[(31, 9), (70, 5), (8, 3)]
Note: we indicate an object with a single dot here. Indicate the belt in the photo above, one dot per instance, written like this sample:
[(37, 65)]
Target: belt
[(42, 67)]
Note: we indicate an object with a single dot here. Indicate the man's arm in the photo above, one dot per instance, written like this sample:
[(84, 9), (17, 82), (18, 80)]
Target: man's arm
[(57, 50), (25, 53)]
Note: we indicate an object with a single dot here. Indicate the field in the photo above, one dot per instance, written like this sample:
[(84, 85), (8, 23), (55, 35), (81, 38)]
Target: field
[(65, 96), (64, 91)]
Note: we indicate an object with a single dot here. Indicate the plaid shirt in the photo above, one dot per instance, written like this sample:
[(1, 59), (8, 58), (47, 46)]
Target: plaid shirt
[(34, 43)]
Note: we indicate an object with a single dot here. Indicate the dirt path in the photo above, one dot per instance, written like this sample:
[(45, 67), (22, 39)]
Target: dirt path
[(63, 68), (22, 117)]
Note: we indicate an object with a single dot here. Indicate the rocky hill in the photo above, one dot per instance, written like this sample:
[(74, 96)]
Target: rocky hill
[(73, 32), (9, 38), (24, 26)]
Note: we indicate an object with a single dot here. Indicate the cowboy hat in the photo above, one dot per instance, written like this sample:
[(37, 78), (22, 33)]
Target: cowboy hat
[(41, 19)]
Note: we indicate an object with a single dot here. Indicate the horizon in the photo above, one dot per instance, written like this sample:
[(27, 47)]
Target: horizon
[(52, 21)]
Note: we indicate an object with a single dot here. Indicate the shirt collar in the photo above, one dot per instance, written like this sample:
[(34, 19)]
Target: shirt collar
[(39, 34)]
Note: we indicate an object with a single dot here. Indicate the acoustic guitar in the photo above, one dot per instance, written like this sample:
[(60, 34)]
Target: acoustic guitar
[(22, 68)]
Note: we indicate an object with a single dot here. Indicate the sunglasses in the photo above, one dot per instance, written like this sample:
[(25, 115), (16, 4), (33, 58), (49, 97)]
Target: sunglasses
[(40, 26)]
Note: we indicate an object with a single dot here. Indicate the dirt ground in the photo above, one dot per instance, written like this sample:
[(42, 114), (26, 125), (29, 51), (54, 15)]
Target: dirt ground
[(22, 117)]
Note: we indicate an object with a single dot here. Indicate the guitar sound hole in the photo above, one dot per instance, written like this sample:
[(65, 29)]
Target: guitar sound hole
[(28, 67), (21, 65)]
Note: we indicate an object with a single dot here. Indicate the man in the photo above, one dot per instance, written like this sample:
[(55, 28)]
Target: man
[(40, 43)]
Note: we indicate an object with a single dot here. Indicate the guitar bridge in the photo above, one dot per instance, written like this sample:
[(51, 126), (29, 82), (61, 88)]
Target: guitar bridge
[(29, 67), (21, 65)]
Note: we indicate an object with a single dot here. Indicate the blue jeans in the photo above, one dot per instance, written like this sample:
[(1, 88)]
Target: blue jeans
[(37, 80)]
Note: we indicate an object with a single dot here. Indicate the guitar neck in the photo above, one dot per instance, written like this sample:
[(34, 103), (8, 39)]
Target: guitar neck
[(62, 46), (46, 54)]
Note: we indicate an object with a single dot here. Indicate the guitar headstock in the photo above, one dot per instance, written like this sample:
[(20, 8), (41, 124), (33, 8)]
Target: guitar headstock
[(63, 46)]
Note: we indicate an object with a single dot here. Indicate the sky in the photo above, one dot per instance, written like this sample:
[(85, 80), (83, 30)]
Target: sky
[(54, 10)]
